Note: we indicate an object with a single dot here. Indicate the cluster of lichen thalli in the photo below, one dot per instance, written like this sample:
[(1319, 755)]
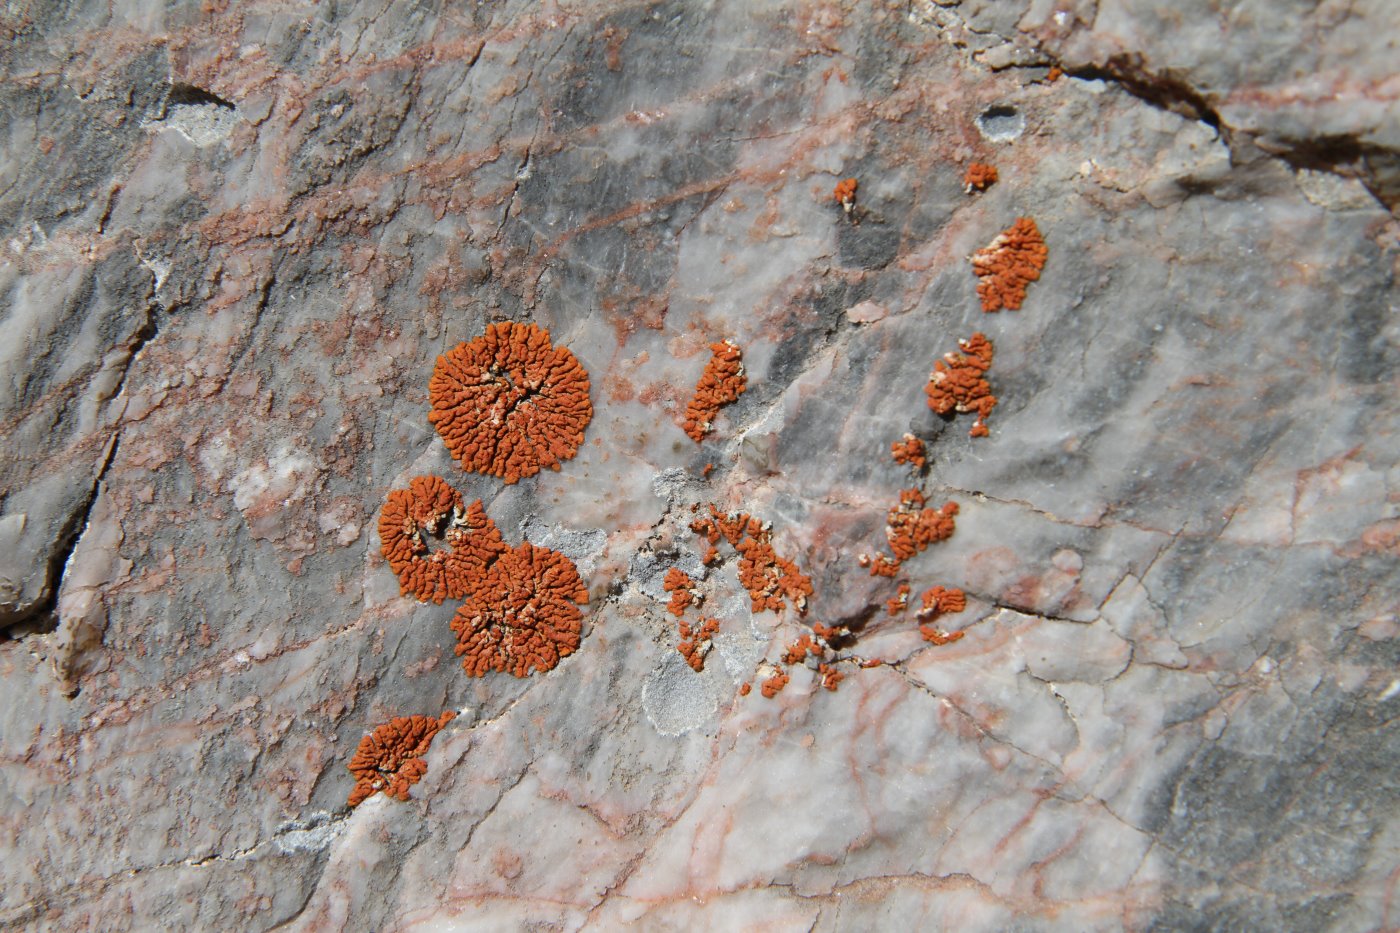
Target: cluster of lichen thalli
[(956, 385), (507, 404)]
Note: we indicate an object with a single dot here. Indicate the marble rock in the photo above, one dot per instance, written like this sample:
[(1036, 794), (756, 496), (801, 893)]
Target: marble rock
[(236, 237)]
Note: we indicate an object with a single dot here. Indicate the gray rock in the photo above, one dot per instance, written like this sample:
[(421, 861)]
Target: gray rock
[(235, 239)]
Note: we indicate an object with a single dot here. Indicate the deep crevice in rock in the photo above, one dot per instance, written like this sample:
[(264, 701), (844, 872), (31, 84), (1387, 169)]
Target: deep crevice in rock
[(181, 93), (1374, 166), (1163, 90), (41, 618)]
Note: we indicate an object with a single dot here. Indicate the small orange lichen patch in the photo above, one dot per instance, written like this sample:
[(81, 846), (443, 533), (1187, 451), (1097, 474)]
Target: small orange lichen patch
[(797, 652), (1008, 264), (390, 759), (815, 650), (979, 177), (845, 194), (774, 685), (910, 451), (721, 383), (521, 614), (1054, 74), (935, 636), (911, 527), (900, 601), (941, 600), (510, 403), (958, 383), (429, 507), (938, 601), (695, 643), (770, 579), (681, 588), (744, 688)]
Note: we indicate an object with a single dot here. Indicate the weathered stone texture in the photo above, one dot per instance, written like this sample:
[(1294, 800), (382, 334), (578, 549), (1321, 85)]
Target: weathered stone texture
[(236, 237)]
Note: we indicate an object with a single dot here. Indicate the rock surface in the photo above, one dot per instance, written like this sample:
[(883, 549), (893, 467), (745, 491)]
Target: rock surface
[(236, 237)]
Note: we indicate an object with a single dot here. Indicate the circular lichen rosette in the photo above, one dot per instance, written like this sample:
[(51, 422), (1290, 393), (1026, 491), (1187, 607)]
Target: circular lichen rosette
[(510, 402), (522, 614)]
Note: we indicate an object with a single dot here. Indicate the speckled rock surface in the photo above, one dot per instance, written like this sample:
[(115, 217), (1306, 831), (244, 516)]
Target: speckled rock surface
[(236, 237)]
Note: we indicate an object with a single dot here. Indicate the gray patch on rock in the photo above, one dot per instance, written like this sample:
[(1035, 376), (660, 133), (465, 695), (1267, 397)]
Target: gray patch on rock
[(677, 699), (742, 650), (579, 546), (313, 834), (671, 484)]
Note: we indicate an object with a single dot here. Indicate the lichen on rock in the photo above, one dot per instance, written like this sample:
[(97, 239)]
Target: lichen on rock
[(959, 384), (522, 614), (390, 759), (510, 403), (1008, 264), (722, 382)]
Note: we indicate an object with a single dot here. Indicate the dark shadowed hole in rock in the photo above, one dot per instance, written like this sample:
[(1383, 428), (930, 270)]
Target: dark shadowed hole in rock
[(1001, 123), (189, 94)]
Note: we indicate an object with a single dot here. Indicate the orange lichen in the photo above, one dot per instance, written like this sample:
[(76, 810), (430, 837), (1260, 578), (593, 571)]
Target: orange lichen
[(958, 383), (910, 451), (744, 688), (942, 600), (979, 177), (935, 636), (1008, 264), (695, 643), (911, 527), (797, 652), (900, 601), (770, 579), (430, 508), (813, 649), (510, 403), (476, 543), (521, 614), (681, 588), (721, 383), (390, 759), (936, 602), (1054, 74), (829, 633), (845, 194)]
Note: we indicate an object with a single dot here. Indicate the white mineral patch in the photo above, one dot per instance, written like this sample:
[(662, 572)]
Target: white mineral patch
[(867, 312), (201, 124), (313, 835), (285, 476)]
